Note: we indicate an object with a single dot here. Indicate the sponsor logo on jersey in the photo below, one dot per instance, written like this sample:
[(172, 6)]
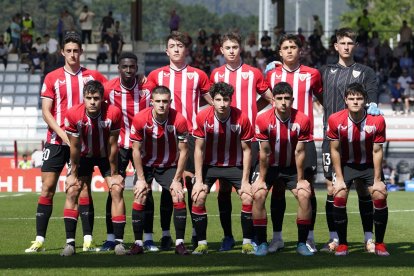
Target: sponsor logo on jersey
[(117, 93), (278, 76), (209, 126), (170, 128), (245, 75), (356, 73), (343, 127), (166, 75), (190, 76), (220, 76), (333, 71)]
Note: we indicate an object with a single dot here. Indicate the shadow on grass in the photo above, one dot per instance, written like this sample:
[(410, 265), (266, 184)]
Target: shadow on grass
[(231, 262)]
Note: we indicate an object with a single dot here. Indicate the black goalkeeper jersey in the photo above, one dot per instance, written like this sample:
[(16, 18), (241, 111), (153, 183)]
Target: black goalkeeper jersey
[(336, 78)]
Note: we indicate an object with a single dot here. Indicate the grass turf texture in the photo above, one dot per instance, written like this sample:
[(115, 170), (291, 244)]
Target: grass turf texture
[(17, 229)]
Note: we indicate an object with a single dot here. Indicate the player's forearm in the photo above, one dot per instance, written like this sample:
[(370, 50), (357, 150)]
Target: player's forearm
[(208, 98), (136, 156), (74, 155), (300, 160), (377, 156), (51, 122), (336, 162), (182, 161), (113, 159), (247, 159), (263, 164), (198, 163)]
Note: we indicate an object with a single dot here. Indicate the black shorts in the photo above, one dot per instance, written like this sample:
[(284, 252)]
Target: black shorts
[(276, 174), (326, 159), (163, 176), (87, 164), (190, 160), (364, 173), (232, 175), (55, 157), (124, 156), (311, 159)]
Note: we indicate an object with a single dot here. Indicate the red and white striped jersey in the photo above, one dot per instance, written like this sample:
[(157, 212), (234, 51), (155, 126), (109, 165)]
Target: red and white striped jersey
[(247, 82), (305, 82), (160, 139), (93, 132), (185, 85), (65, 90), (130, 102), (283, 136), (223, 138), (356, 138)]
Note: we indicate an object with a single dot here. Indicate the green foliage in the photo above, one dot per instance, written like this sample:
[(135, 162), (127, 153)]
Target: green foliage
[(17, 228), (386, 15)]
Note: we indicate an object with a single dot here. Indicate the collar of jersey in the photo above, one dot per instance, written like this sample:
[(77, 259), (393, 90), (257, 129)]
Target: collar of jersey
[(128, 88), (73, 74), (156, 121), (179, 70), (222, 121), (290, 71), (363, 117), (241, 64)]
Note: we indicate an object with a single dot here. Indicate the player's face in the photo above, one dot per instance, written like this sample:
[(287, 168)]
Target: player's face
[(289, 52), (283, 102), (231, 51), (221, 104), (355, 102), (127, 68), (72, 52), (176, 51), (93, 102), (345, 47), (161, 103)]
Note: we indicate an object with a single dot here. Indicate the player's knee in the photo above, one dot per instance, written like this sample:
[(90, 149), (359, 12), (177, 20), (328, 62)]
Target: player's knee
[(340, 201), (200, 201), (379, 194), (303, 194), (246, 199), (260, 197), (116, 191)]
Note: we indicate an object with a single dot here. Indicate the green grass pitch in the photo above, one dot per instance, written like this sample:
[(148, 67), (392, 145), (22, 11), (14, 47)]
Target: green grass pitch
[(17, 229)]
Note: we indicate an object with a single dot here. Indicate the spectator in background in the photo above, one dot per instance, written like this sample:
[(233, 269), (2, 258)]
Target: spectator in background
[(102, 53), (409, 98), (278, 32), (396, 97), (68, 24), (35, 61), (59, 28), (174, 21), (86, 20), (406, 35), (27, 23), (40, 47), (251, 46), (51, 44), (301, 36), (364, 26), (15, 31), (117, 41), (25, 164), (107, 23), (404, 79), (4, 53), (317, 25)]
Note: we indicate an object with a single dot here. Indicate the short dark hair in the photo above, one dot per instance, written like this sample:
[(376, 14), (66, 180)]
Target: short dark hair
[(130, 55), (161, 89), (282, 88), (232, 36), (345, 32), (178, 36), (92, 87), (292, 37), (222, 88), (356, 88), (72, 37)]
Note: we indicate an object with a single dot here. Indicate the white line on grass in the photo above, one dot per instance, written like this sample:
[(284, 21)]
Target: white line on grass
[(234, 215)]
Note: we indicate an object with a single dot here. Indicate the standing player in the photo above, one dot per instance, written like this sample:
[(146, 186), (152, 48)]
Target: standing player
[(248, 82), (159, 136), (93, 129), (335, 79), (186, 84), (222, 151), (127, 93), (283, 133), (357, 153), (305, 82), (61, 90)]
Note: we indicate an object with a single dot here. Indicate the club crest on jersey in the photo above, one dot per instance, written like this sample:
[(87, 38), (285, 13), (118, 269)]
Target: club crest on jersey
[(170, 128), (235, 128), (369, 129), (133, 130), (303, 77), (245, 75), (105, 124), (190, 76), (87, 78), (355, 73), (143, 92)]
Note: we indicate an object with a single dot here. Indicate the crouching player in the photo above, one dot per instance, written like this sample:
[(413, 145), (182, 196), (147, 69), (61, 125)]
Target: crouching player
[(222, 151), (282, 132), (159, 136), (356, 153), (93, 130)]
